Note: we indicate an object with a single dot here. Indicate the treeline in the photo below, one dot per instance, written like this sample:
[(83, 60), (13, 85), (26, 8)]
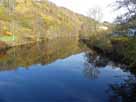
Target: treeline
[(36, 19), (42, 53)]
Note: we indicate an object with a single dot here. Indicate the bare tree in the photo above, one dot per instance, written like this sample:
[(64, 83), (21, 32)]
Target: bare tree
[(96, 14), (129, 6)]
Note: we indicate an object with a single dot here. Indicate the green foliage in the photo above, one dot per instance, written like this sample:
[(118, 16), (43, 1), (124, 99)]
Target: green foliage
[(26, 23), (100, 40), (120, 39), (125, 47), (130, 52)]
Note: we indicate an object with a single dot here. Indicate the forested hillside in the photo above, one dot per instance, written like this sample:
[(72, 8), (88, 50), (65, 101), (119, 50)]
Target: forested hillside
[(25, 20)]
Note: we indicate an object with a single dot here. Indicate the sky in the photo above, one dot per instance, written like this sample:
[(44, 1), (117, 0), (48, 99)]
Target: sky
[(82, 7)]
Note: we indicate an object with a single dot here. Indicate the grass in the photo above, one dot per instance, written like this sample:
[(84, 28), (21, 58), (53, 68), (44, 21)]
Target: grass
[(120, 39), (7, 38)]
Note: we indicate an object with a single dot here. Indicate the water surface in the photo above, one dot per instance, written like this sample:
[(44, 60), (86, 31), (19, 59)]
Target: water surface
[(62, 71)]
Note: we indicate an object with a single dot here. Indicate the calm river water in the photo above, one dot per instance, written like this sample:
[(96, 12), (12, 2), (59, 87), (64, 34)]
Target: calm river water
[(63, 71)]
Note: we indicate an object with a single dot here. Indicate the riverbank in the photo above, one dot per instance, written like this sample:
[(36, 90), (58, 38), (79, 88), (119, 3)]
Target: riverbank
[(120, 49), (9, 44), (3, 46)]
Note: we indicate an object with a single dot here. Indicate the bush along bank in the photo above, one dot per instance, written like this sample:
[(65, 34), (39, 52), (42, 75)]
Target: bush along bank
[(125, 47), (120, 49)]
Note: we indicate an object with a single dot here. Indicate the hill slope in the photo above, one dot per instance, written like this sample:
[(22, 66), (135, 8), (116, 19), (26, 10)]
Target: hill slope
[(25, 20)]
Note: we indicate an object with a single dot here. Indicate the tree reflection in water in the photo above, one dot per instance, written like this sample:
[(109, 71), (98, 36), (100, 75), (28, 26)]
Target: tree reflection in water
[(43, 53), (123, 92), (92, 65), (90, 70)]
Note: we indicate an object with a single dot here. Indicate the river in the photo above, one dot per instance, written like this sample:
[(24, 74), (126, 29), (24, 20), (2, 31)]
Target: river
[(63, 70)]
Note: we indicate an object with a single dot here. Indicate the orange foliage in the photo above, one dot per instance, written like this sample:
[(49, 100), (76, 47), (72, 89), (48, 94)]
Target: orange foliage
[(8, 33)]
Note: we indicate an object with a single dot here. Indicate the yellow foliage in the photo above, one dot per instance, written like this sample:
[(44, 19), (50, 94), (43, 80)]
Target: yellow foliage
[(21, 8), (49, 20), (5, 28), (34, 17)]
